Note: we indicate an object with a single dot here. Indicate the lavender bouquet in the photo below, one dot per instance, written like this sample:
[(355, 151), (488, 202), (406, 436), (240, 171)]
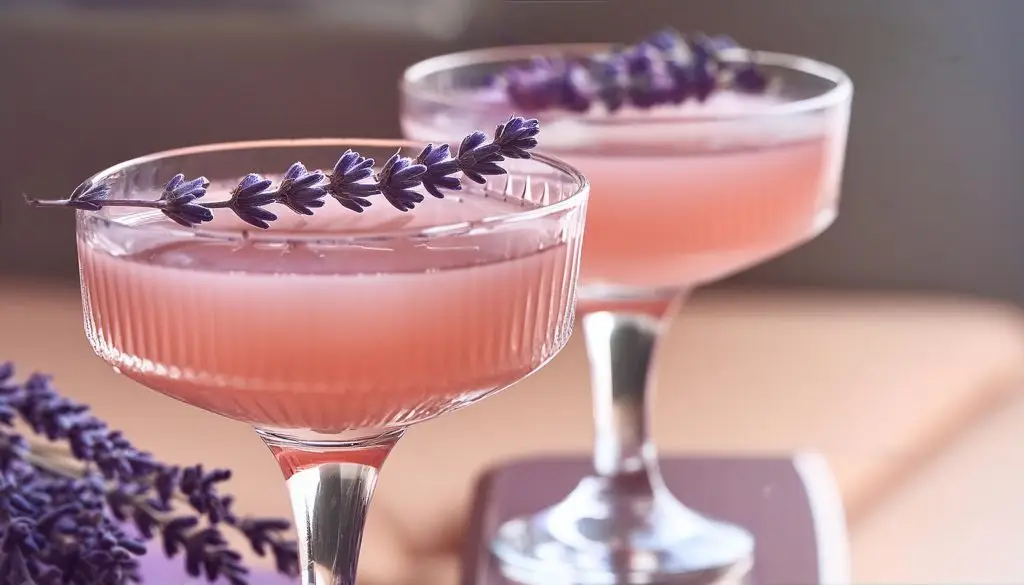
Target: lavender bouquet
[(79, 505)]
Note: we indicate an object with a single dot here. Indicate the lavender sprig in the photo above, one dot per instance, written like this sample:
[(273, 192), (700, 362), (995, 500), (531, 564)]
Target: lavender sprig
[(351, 182), (64, 516), (665, 68)]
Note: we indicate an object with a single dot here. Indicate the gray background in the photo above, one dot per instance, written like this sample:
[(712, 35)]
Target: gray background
[(930, 197)]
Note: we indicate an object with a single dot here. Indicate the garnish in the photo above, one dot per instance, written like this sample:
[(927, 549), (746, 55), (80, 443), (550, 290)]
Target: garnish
[(351, 182), (66, 513), (665, 68)]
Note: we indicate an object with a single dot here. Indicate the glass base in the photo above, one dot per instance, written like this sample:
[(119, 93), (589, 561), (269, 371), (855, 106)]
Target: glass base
[(607, 532)]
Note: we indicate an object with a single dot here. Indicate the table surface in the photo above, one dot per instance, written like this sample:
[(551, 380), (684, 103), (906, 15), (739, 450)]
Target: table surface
[(791, 505), (728, 387)]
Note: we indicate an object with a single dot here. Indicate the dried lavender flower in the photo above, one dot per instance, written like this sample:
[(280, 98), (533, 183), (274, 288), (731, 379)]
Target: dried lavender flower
[(301, 190), (89, 197), (397, 181), (249, 198), (665, 68), (65, 512), (351, 182), (179, 198), (344, 182)]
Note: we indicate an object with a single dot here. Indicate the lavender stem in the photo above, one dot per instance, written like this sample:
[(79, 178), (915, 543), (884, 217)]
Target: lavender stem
[(55, 460), (106, 203)]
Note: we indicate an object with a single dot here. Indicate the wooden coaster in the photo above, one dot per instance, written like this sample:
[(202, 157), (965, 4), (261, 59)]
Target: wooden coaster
[(791, 505)]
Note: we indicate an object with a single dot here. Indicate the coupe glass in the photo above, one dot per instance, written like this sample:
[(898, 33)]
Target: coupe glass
[(332, 334), (684, 195)]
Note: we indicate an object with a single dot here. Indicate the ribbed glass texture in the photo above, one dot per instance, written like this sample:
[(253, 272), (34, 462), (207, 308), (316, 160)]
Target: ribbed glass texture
[(343, 321)]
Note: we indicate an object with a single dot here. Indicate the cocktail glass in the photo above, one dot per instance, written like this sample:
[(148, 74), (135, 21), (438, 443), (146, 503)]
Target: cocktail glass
[(684, 195), (332, 334)]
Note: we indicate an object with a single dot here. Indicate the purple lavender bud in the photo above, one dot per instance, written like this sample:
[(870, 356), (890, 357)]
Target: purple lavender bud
[(89, 197), (536, 85), (682, 82), (526, 97), (544, 83), (179, 189), (704, 81), (640, 60), (397, 179), (749, 79), (440, 166), (477, 157), (666, 67), (249, 198), (702, 49), (516, 137), (67, 529), (643, 87), (179, 197), (301, 190), (575, 93), (609, 74), (343, 183), (6, 373)]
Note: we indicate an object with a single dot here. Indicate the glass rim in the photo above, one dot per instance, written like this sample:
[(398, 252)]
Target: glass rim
[(411, 84), (581, 189)]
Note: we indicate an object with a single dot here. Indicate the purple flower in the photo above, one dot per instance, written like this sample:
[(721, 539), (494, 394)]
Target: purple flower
[(249, 198), (609, 74), (478, 157), (749, 79), (516, 137), (62, 524), (666, 67), (179, 197), (89, 196), (440, 166), (344, 181), (351, 181), (397, 179), (537, 85), (574, 89), (301, 190)]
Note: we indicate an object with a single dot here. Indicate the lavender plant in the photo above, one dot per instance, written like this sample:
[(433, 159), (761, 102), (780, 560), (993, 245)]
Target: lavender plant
[(84, 514), (351, 182), (665, 68)]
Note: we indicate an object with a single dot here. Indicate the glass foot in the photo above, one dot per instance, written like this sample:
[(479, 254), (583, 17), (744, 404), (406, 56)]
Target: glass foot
[(608, 533)]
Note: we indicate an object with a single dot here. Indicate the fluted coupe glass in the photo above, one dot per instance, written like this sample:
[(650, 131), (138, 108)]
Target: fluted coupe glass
[(684, 195), (332, 334)]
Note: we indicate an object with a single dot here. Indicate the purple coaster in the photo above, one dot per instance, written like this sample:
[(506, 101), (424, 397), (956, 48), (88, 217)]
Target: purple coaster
[(791, 504), (159, 570)]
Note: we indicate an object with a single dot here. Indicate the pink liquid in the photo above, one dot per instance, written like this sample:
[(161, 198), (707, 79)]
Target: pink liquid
[(325, 337), (681, 199), (661, 222)]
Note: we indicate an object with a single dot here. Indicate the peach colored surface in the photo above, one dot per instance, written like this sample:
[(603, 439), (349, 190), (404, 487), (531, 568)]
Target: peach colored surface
[(332, 339)]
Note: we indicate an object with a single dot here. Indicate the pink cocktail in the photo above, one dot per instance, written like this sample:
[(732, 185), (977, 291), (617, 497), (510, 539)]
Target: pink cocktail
[(658, 221), (331, 333), (308, 337), (684, 194)]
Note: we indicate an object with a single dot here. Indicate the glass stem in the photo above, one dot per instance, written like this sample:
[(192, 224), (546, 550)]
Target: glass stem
[(330, 485), (621, 347)]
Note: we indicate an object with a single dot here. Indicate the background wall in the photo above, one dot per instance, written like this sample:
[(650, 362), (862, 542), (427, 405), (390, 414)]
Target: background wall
[(931, 196)]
